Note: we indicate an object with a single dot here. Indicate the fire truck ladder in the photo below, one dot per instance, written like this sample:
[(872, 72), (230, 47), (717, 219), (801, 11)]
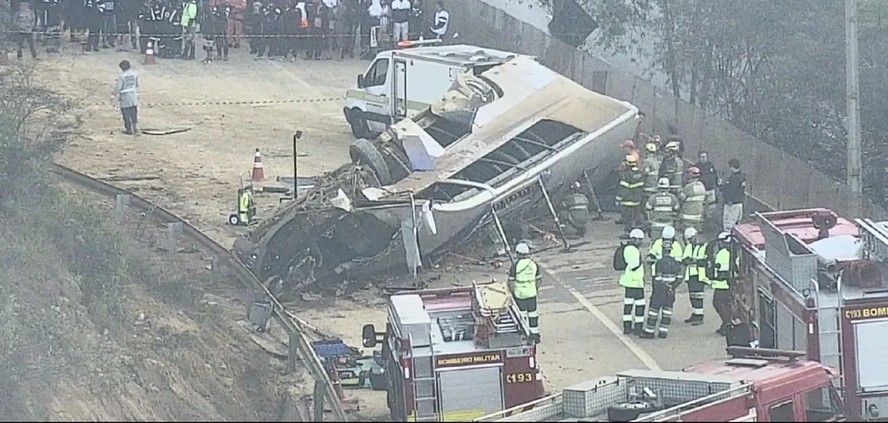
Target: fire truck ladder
[(425, 399), (875, 239), (829, 319)]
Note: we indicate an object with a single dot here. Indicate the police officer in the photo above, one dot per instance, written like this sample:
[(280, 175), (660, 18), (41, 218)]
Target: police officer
[(662, 208), (667, 276), (524, 279), (632, 281), (575, 209), (651, 168), (721, 276), (693, 201), (246, 207), (629, 195), (672, 166), (694, 260)]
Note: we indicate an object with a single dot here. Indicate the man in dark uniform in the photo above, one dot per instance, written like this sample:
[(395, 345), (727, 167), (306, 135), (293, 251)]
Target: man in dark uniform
[(254, 26), (575, 209), (150, 18), (667, 276), (52, 18)]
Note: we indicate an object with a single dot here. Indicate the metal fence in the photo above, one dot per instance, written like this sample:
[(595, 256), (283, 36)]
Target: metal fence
[(774, 176)]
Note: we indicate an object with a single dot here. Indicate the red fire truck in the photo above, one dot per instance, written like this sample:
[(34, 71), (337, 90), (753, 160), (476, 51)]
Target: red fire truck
[(455, 354), (756, 384), (811, 281)]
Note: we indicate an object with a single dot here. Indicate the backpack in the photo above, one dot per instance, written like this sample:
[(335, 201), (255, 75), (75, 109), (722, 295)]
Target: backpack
[(619, 260)]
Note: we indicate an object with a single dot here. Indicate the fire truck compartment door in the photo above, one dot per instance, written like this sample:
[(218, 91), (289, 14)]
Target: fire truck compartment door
[(872, 344), (470, 393)]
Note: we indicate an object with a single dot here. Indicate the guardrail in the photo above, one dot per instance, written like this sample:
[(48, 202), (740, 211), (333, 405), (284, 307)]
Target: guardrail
[(299, 345)]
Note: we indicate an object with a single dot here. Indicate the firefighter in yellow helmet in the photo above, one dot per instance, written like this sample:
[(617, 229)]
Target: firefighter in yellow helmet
[(673, 166), (629, 195)]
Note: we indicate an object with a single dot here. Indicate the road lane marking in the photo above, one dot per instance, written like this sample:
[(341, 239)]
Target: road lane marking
[(645, 358)]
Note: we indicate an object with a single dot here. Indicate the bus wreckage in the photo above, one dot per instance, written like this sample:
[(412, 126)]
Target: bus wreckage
[(492, 148)]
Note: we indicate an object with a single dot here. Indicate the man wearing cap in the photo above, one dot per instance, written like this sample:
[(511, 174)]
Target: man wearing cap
[(126, 92), (524, 279)]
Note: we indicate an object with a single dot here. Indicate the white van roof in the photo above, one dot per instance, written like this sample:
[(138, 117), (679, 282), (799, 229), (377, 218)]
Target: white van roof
[(458, 55)]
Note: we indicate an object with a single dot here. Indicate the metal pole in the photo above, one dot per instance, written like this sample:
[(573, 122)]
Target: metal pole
[(318, 401), (853, 103), (554, 214), (296, 137), (502, 233)]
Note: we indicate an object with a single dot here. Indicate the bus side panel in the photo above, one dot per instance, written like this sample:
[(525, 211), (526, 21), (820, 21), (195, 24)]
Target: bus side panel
[(522, 381)]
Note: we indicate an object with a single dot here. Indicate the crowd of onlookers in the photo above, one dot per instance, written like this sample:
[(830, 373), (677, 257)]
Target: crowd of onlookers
[(317, 29)]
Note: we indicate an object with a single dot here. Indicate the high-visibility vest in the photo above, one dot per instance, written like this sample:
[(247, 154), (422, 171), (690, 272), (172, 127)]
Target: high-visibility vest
[(245, 202), (656, 250), (525, 279), (633, 276), (722, 269), (693, 253)]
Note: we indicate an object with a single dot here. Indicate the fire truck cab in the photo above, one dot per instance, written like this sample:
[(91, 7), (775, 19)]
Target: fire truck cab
[(456, 354), (811, 281)]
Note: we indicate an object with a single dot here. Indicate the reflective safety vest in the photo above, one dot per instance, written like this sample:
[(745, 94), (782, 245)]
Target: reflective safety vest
[(525, 279), (633, 276), (244, 206), (656, 251), (662, 208), (722, 269), (693, 201), (651, 171), (694, 257)]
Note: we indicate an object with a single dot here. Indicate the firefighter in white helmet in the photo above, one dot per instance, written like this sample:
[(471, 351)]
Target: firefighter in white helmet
[(694, 261), (667, 243), (524, 279), (662, 208), (628, 259), (693, 201), (672, 167)]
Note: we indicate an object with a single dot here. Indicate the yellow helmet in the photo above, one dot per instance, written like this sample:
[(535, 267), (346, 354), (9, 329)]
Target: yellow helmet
[(672, 146), (630, 159), (650, 147)]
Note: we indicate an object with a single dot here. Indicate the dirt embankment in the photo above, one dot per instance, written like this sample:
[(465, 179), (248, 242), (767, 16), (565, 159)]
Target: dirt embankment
[(94, 326)]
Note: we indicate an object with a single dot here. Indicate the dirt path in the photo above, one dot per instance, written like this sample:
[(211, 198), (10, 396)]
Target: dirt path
[(198, 172)]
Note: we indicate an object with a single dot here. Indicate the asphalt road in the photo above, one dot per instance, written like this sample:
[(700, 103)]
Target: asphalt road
[(581, 317)]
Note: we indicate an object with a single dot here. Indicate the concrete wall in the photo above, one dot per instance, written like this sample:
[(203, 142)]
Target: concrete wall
[(775, 177)]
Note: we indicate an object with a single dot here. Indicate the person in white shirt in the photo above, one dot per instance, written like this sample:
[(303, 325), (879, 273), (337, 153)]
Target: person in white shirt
[(401, 10), (442, 19)]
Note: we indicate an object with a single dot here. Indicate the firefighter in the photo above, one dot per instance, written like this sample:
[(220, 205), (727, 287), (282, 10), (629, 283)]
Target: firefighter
[(246, 209), (524, 279), (651, 168), (693, 201), (667, 276), (721, 277), (672, 166), (666, 242), (662, 209), (632, 281), (694, 261), (629, 195), (575, 209)]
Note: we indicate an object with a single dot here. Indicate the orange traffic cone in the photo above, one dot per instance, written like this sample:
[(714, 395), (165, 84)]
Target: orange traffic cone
[(149, 53), (258, 172)]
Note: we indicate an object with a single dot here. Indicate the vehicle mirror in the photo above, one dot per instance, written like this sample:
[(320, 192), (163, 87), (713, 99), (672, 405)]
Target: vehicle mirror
[(360, 80), (368, 336)]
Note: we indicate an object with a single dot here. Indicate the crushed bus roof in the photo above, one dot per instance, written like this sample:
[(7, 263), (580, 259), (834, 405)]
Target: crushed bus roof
[(459, 55)]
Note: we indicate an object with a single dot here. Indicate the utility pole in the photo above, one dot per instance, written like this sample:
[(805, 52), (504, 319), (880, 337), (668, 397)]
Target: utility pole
[(852, 91)]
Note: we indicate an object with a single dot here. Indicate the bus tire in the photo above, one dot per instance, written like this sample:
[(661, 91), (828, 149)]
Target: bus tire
[(363, 152)]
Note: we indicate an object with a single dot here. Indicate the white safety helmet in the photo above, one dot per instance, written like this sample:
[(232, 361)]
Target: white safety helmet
[(690, 233), (724, 236), (663, 183), (636, 234), (668, 232), (522, 248)]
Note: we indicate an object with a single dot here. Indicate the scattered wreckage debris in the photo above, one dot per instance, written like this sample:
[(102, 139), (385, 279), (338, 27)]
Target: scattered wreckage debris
[(494, 148), (165, 131)]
